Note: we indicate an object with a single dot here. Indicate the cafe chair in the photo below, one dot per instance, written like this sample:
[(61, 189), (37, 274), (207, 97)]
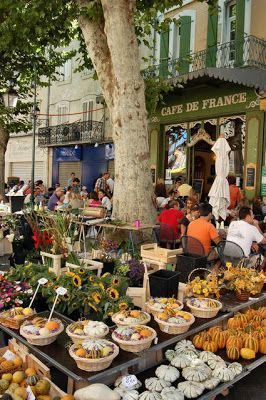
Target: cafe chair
[(230, 252), (165, 236), (193, 257)]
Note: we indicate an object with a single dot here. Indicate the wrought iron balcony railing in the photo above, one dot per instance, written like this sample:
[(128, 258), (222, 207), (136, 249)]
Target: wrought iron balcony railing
[(250, 52), (76, 132)]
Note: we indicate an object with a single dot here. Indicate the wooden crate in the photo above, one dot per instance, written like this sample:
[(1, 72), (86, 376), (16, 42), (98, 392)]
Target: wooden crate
[(140, 295), (30, 361), (154, 252), (90, 265), (56, 260)]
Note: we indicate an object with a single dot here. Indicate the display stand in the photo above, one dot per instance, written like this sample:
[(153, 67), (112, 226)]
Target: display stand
[(56, 354)]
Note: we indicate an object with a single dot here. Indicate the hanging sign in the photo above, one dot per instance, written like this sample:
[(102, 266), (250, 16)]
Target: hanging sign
[(250, 176), (263, 181)]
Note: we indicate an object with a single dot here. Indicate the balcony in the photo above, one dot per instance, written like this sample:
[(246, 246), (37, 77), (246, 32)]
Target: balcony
[(74, 133), (251, 52)]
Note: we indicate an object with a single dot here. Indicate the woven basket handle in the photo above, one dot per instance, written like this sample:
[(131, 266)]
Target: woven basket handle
[(197, 269)]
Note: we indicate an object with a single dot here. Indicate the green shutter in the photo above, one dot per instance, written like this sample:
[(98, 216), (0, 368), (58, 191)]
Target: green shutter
[(185, 30), (212, 37), (164, 52), (240, 22)]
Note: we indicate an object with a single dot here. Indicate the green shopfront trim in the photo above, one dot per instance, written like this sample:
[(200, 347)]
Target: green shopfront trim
[(203, 103)]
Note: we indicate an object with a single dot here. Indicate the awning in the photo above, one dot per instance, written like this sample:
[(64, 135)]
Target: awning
[(250, 77)]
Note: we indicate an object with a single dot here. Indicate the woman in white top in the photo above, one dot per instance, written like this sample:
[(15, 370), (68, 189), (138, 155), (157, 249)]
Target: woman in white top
[(105, 200)]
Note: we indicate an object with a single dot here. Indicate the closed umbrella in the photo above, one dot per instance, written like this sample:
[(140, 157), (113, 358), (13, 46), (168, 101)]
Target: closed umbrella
[(219, 193)]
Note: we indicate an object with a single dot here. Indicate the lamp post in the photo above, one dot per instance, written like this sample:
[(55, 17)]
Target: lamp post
[(35, 113), (10, 98)]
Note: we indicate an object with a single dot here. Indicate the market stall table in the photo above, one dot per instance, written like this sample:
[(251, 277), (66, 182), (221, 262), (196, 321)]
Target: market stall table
[(130, 229), (57, 354)]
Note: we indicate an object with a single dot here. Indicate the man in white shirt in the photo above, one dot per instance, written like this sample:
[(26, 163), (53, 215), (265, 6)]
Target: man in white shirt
[(245, 231), (110, 183)]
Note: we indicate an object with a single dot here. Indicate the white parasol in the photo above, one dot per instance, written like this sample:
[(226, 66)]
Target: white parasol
[(219, 193)]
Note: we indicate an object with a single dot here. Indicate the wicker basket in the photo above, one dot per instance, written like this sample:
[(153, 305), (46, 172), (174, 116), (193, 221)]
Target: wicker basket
[(154, 311), (118, 323), (93, 365), (40, 340), (13, 323), (205, 312), (136, 347), (78, 339), (174, 329)]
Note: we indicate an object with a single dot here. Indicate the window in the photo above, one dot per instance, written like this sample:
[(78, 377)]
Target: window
[(65, 71), (231, 28), (176, 148), (62, 118), (87, 108)]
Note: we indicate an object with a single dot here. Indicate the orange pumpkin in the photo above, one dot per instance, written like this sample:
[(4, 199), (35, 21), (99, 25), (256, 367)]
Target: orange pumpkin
[(262, 312), (259, 334), (233, 353), (263, 322), (214, 329), (198, 341), (145, 333), (52, 325), (262, 346), (251, 343), (234, 341), (81, 353), (210, 346), (232, 323), (250, 314)]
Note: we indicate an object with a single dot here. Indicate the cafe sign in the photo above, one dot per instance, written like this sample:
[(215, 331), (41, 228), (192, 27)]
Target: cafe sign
[(205, 104)]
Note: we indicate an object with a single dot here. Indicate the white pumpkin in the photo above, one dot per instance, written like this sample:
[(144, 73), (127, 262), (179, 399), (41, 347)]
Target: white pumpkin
[(181, 361), (197, 374), (224, 374), (192, 353), (236, 368), (147, 395), (127, 394), (211, 383), (118, 383), (156, 384), (184, 344), (167, 372), (96, 391), (172, 393), (191, 389), (95, 329), (215, 362), (170, 354), (206, 356)]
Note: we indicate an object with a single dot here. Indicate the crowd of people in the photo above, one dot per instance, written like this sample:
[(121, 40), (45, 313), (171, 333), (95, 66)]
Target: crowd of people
[(181, 211), (72, 194)]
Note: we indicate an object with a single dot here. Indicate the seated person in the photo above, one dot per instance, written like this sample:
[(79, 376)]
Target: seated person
[(55, 199), (245, 231), (202, 228), (94, 200), (171, 216), (192, 215), (105, 200)]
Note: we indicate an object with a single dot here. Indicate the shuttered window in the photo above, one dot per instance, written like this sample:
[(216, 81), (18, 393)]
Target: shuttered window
[(87, 108), (164, 53), (185, 32), (62, 111), (65, 71), (65, 169)]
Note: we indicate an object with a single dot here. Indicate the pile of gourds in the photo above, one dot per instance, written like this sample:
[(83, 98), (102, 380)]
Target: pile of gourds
[(244, 337)]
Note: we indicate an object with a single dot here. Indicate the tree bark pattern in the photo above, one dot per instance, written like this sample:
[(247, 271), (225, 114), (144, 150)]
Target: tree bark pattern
[(4, 137)]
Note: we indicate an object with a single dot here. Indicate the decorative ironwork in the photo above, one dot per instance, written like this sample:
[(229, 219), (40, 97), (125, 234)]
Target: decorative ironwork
[(251, 51), (76, 132)]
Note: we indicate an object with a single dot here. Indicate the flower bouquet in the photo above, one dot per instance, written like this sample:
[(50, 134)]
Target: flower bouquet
[(13, 294), (208, 287)]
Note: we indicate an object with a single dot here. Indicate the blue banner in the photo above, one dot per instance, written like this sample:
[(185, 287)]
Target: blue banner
[(68, 153)]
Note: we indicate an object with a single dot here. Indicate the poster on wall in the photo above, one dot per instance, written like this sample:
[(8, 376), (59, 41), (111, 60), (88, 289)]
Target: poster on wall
[(177, 156), (109, 151), (263, 181)]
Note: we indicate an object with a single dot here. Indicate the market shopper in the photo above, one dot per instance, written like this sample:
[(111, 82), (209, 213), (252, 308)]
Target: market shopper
[(55, 199), (246, 232), (235, 194), (171, 216), (71, 179), (203, 230), (105, 200), (192, 215), (101, 183)]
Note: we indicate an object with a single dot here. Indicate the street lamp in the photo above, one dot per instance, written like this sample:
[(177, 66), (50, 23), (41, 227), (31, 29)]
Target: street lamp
[(10, 98), (35, 113)]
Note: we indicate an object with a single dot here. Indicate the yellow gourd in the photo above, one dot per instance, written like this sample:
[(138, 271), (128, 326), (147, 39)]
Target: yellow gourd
[(247, 354)]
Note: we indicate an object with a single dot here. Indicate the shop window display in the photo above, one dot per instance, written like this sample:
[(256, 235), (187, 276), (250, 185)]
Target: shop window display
[(234, 130), (177, 151)]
